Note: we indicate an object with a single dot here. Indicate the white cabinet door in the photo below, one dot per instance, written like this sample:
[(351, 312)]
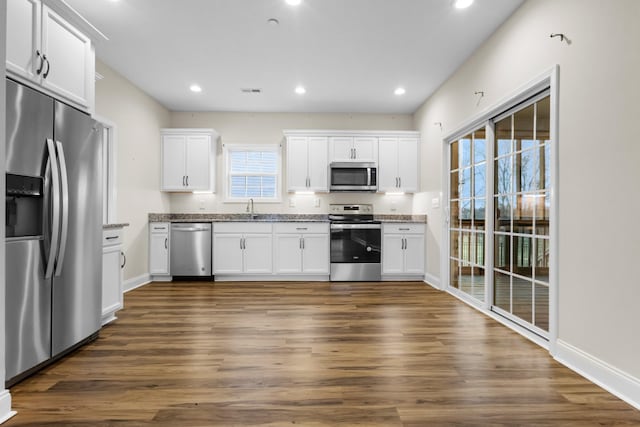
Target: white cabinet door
[(173, 162), (111, 281), (341, 149), (288, 253), (227, 253), (388, 165), (414, 254), (392, 254), (297, 168), (315, 253), (198, 154), (408, 158), (70, 68), (159, 254), (23, 38), (258, 254), (365, 149), (318, 164)]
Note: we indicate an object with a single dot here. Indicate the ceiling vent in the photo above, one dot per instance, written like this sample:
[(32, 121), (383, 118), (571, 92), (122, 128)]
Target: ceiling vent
[(252, 90)]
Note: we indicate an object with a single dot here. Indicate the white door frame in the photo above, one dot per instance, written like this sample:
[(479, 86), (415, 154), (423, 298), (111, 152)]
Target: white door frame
[(548, 79), (110, 156)]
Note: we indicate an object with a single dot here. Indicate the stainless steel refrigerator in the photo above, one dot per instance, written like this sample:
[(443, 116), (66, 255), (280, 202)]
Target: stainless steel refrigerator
[(53, 229)]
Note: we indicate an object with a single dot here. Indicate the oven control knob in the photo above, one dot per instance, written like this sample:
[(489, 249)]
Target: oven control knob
[(368, 248)]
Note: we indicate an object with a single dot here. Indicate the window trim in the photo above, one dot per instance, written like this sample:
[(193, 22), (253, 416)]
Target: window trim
[(227, 148), (109, 162)]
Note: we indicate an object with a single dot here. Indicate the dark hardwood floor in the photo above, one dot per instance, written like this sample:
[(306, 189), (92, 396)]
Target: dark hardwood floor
[(313, 354)]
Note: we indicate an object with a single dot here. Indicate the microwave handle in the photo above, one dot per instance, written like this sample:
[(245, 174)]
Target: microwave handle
[(369, 177)]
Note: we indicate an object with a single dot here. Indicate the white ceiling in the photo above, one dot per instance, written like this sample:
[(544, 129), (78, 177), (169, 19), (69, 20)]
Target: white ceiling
[(349, 54)]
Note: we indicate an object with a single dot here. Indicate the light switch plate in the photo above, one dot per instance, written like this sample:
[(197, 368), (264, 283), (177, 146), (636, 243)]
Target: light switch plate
[(292, 203), (435, 202), (316, 202)]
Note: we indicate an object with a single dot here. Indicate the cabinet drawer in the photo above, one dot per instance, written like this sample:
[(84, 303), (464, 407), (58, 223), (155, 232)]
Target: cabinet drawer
[(242, 227), (111, 237), (159, 227), (300, 227), (411, 228)]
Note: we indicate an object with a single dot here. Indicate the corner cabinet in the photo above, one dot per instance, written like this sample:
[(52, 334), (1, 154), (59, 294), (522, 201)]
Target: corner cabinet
[(159, 247), (403, 251), (52, 50), (307, 164), (113, 261), (398, 165), (188, 160)]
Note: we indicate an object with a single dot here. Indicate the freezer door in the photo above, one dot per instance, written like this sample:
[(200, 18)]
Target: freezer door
[(28, 308), (77, 283), (29, 125)]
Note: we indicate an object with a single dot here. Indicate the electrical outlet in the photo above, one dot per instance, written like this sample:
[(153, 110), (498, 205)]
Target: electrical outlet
[(394, 206), (435, 202), (292, 203), (316, 202)]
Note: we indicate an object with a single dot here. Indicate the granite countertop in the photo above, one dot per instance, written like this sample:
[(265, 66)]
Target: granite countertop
[(201, 217), (115, 225)]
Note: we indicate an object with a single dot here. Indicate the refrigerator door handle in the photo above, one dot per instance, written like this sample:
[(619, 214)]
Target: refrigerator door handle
[(55, 221), (64, 234)]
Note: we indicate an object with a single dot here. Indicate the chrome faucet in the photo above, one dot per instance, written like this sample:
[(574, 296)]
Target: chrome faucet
[(250, 209)]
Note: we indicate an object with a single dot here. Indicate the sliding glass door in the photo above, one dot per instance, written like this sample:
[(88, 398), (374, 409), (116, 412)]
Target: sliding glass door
[(509, 274), (522, 202), (468, 183)]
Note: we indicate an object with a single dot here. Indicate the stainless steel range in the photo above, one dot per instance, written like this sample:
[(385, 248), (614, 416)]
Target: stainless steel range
[(355, 243)]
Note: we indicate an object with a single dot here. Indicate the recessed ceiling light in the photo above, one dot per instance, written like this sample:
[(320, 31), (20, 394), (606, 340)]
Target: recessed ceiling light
[(293, 2), (463, 4), (195, 88), (400, 91), (300, 90)]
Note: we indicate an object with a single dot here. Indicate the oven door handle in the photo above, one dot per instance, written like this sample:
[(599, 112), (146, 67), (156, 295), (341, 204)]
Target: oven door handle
[(356, 226)]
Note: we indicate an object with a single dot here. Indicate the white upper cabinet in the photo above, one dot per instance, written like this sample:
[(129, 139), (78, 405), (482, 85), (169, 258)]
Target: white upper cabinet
[(307, 168), (46, 50), (188, 159), (353, 149), (398, 165), (70, 61)]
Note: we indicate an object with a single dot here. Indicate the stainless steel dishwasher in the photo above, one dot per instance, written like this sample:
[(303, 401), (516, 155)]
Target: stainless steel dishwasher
[(191, 249)]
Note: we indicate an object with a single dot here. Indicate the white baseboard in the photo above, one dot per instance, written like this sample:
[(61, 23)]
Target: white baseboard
[(5, 406), (136, 282), (432, 280), (615, 381)]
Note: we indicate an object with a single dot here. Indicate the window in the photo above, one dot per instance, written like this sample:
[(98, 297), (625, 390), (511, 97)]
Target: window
[(252, 172)]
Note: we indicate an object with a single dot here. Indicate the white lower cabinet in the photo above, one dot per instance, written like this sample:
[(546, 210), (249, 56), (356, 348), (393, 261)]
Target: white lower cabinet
[(301, 248), (112, 264), (159, 244), (403, 251), (242, 248)]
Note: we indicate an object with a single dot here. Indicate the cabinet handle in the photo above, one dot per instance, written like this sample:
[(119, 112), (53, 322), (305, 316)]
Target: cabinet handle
[(301, 228), (241, 243), (46, 73), (302, 243), (124, 262), (39, 56), (183, 183), (404, 229), (112, 237), (399, 182), (187, 180), (166, 243)]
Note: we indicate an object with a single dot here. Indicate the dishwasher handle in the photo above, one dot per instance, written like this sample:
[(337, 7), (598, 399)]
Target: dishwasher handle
[(190, 228)]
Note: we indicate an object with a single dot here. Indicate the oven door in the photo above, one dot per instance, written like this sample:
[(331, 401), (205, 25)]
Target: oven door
[(355, 243)]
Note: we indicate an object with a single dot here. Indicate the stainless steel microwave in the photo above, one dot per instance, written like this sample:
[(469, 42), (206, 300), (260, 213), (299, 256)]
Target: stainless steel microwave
[(353, 176)]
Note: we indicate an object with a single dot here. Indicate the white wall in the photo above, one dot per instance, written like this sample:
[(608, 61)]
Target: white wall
[(138, 118), (5, 396), (266, 128), (598, 156)]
